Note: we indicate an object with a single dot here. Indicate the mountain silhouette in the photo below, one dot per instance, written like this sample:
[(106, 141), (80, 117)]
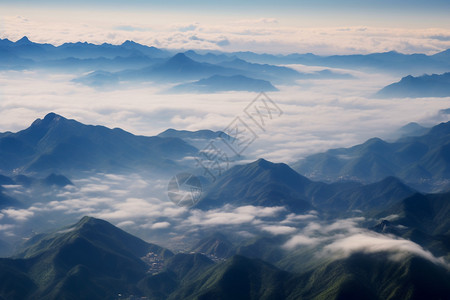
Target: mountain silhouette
[(57, 144), (218, 83), (414, 87)]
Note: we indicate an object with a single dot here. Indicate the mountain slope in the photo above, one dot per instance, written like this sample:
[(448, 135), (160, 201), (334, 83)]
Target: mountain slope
[(428, 213), (260, 183), (420, 218), (360, 276), (238, 278), (91, 259), (375, 196), (97, 231), (216, 245), (364, 276), (187, 266)]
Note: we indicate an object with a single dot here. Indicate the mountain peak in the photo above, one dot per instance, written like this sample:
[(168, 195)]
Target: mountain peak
[(264, 166), (23, 41), (129, 43), (6, 42), (180, 58), (91, 224), (440, 129), (87, 220), (50, 118), (261, 162), (412, 126), (57, 180)]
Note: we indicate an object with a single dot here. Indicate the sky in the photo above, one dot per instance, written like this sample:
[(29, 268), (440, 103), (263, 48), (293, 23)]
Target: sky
[(321, 27)]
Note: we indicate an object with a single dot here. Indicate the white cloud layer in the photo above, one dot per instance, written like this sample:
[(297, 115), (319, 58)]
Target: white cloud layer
[(279, 229), (318, 114), (345, 237), (374, 243), (258, 34)]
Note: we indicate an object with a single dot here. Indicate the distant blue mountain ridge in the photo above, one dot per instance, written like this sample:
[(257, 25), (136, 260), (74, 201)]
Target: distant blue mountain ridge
[(109, 64), (435, 85)]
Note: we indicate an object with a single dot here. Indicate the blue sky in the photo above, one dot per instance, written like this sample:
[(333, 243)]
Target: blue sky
[(433, 11)]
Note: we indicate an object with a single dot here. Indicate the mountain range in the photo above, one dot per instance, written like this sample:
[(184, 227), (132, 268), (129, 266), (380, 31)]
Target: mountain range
[(382, 183), (193, 76), (267, 184), (392, 61), (55, 143), (61, 146), (108, 65), (417, 87), (93, 259), (420, 161), (187, 135)]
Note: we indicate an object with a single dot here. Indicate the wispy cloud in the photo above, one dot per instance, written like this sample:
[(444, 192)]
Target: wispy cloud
[(279, 229), (375, 243), (301, 240), (229, 215), (160, 225), (344, 237), (17, 214)]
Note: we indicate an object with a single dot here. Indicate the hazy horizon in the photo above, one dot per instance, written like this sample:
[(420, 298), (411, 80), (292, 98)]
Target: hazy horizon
[(322, 27)]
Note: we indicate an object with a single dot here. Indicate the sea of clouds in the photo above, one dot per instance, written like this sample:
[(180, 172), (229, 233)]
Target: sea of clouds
[(317, 115)]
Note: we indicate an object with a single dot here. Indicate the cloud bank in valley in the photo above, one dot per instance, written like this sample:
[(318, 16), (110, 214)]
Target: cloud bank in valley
[(344, 237), (318, 114)]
